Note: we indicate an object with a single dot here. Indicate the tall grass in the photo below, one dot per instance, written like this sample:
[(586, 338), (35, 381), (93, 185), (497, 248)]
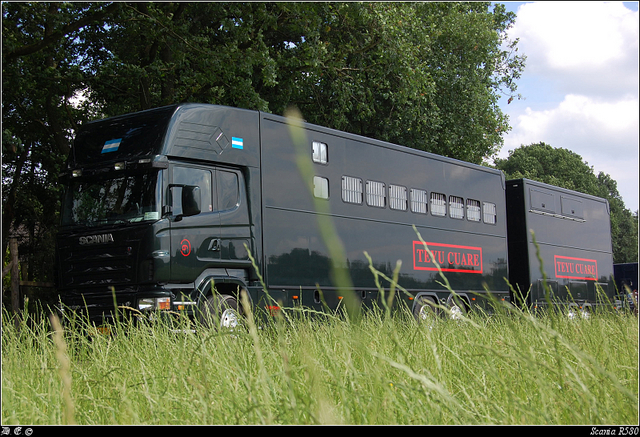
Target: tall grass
[(510, 368), (307, 368)]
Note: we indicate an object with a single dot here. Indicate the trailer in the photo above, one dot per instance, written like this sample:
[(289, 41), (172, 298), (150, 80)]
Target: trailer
[(184, 207), (560, 249)]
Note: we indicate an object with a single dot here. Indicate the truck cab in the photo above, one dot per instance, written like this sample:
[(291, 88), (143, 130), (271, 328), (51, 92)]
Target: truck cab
[(157, 212)]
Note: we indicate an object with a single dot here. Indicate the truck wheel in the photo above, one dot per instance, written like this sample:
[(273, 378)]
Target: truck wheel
[(586, 312), (220, 311), (425, 309), (457, 308)]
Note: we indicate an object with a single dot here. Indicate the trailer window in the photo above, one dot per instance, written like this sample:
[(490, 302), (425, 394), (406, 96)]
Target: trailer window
[(438, 204), (320, 187), (419, 201), (571, 207), (320, 154), (489, 213), (542, 201), (398, 197), (456, 207), (352, 190), (473, 210), (376, 195)]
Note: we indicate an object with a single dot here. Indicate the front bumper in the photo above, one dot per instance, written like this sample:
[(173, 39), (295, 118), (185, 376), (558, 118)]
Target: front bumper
[(102, 308)]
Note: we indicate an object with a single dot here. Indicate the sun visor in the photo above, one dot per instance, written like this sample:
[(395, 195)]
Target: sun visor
[(123, 138)]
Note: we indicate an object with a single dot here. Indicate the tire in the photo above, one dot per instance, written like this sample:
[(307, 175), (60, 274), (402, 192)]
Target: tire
[(457, 308), (425, 309), (576, 312), (586, 312), (220, 311)]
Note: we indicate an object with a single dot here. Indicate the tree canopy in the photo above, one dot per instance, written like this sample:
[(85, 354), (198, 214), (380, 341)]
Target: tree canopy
[(564, 168), (427, 75)]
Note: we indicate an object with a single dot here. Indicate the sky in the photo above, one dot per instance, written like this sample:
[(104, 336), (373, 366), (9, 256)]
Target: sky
[(579, 85)]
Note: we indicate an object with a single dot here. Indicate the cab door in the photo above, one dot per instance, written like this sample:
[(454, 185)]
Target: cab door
[(195, 237)]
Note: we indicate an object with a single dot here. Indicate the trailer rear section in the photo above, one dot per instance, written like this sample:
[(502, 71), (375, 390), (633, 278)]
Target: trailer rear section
[(559, 246)]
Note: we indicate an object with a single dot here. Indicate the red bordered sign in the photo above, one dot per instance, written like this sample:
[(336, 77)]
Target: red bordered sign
[(575, 268), (450, 257)]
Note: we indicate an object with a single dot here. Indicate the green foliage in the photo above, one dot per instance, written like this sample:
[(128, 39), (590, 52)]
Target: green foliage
[(564, 168), (40, 74), (425, 75)]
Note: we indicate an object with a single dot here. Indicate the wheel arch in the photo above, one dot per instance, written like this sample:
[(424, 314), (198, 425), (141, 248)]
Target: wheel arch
[(429, 294), (224, 285), (460, 298)]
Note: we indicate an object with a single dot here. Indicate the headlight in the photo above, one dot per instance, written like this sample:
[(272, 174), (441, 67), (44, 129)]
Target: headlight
[(154, 303)]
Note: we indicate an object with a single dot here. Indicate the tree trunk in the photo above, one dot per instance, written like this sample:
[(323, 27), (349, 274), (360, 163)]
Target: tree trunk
[(15, 275)]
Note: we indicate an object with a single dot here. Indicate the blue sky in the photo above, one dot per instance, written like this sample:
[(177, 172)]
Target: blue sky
[(580, 85)]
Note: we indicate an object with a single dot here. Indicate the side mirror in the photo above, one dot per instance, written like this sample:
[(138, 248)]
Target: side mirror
[(190, 200), (184, 204)]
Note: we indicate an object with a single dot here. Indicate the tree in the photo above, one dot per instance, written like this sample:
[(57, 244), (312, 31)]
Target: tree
[(564, 168), (425, 75), (155, 54), (40, 75)]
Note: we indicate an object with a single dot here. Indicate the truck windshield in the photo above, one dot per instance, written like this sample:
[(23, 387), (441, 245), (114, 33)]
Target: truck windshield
[(125, 198)]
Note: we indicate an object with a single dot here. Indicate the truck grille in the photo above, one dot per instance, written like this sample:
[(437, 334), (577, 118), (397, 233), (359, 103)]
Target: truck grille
[(110, 265)]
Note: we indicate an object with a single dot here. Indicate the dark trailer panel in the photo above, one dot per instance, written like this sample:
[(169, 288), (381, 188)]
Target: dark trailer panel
[(375, 192), (573, 236)]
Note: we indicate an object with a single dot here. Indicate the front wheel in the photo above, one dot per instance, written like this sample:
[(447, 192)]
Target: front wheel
[(220, 311)]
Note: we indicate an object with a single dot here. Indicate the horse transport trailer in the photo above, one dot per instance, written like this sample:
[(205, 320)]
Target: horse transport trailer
[(181, 208), (560, 238), (178, 208)]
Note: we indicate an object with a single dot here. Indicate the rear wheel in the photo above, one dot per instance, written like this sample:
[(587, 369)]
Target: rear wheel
[(220, 311), (586, 311), (457, 308), (425, 309), (576, 312)]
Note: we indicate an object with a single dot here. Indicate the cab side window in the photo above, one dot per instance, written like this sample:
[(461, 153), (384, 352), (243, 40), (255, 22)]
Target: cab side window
[(228, 190)]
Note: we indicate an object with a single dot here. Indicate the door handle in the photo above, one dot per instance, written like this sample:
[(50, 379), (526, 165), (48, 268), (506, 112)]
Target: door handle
[(214, 245)]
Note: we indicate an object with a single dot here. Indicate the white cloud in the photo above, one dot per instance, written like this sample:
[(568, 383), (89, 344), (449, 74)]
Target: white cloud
[(578, 34), (581, 85), (581, 119), (601, 132), (581, 44)]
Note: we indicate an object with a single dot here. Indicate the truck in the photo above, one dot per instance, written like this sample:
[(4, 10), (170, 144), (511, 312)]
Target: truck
[(560, 250), (183, 208)]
